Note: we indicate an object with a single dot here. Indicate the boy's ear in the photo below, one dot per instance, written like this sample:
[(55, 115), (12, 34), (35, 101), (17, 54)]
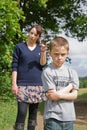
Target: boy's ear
[(68, 53)]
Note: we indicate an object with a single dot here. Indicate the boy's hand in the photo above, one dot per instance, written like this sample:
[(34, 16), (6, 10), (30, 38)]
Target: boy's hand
[(53, 95)]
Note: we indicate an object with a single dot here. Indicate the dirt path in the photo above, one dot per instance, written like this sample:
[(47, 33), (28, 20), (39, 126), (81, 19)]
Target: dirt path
[(81, 112)]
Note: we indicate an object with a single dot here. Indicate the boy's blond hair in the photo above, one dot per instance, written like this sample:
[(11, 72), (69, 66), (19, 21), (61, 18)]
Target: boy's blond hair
[(59, 41)]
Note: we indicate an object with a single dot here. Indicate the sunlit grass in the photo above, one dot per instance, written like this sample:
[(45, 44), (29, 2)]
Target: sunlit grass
[(7, 114), (80, 127), (82, 93)]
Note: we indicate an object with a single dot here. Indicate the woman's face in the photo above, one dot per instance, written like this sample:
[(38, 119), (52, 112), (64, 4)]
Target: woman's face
[(59, 55), (33, 36)]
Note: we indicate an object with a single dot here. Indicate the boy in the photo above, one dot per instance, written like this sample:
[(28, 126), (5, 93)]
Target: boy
[(61, 84)]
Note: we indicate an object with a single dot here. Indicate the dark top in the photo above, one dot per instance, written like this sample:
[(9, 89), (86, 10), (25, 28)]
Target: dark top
[(27, 65)]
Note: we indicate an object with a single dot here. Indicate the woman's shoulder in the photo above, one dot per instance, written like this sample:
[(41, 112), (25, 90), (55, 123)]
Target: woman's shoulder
[(21, 44), (38, 46)]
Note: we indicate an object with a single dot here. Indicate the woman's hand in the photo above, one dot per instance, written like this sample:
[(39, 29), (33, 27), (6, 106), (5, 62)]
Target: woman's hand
[(43, 47), (15, 89), (43, 54)]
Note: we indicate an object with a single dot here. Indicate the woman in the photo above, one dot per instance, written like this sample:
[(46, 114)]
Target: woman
[(29, 59)]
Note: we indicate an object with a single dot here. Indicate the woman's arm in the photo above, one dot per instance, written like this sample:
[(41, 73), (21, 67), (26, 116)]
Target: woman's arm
[(43, 54), (14, 83)]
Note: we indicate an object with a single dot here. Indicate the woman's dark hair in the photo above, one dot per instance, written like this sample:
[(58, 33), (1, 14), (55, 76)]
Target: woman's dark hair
[(39, 31)]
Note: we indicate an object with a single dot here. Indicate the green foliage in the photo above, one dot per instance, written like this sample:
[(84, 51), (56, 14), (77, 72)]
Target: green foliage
[(82, 93), (42, 3), (10, 33), (5, 86), (83, 82), (10, 15), (57, 15), (10, 30), (7, 115)]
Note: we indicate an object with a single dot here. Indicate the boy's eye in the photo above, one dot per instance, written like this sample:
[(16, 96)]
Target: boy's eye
[(63, 55), (56, 54)]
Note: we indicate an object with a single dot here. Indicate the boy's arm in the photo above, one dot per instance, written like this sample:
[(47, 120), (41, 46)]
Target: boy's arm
[(53, 95), (70, 96), (58, 95), (67, 93)]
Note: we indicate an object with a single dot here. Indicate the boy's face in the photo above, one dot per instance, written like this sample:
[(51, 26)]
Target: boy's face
[(59, 55)]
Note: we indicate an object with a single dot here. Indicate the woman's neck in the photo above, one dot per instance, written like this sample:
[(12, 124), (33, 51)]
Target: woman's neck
[(31, 44)]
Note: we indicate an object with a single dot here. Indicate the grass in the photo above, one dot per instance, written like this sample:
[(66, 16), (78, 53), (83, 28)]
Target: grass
[(80, 127), (82, 93), (8, 112)]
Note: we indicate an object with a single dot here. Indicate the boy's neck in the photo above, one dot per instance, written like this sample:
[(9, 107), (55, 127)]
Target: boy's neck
[(57, 66)]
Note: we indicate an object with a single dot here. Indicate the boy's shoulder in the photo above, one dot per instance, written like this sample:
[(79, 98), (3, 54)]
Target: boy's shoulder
[(47, 69), (50, 68), (71, 70)]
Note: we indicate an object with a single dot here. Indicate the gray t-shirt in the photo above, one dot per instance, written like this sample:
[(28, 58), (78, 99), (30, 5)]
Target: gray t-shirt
[(58, 78)]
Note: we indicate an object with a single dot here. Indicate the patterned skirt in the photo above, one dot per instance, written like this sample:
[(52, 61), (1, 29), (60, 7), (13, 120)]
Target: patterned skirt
[(31, 94)]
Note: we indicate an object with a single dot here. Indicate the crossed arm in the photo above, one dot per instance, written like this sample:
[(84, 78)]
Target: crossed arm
[(67, 93)]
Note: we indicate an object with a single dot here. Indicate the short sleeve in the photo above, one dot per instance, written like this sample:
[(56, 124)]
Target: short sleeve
[(47, 80), (74, 79)]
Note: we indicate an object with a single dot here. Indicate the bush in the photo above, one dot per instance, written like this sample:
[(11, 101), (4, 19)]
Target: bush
[(83, 82), (5, 86)]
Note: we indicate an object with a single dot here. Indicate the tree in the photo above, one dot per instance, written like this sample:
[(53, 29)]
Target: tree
[(10, 32), (57, 15)]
